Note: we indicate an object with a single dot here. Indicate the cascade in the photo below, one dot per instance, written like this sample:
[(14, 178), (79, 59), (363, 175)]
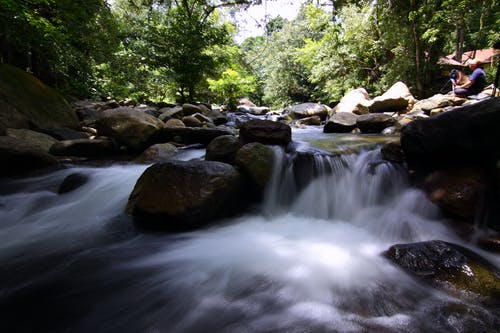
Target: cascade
[(308, 261)]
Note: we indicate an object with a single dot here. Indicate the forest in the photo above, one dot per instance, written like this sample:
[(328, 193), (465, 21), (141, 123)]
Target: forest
[(185, 50)]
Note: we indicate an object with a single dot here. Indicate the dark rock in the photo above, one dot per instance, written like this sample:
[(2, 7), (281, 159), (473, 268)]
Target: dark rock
[(309, 121), (189, 109), (174, 122), (190, 135), (178, 195), (392, 152), (374, 122), (466, 134), (72, 182), (266, 132), (132, 128), (63, 133), (341, 122), (19, 158), (35, 139), (83, 147), (169, 112), (450, 267), (160, 152), (256, 161), (458, 191), (223, 149), (26, 102), (192, 121), (490, 243)]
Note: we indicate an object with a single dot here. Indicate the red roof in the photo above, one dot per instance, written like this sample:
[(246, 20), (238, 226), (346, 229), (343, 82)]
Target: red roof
[(485, 56)]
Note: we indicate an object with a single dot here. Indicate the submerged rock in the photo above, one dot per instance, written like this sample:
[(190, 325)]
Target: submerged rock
[(72, 182), (450, 267), (256, 161)]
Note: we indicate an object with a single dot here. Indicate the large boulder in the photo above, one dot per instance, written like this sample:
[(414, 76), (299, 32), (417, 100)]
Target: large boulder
[(223, 149), (20, 158), (132, 128), (397, 98), (355, 101), (450, 267), (256, 161), (307, 110), (341, 122), (266, 132), (374, 122), (179, 195), (467, 134), (26, 102)]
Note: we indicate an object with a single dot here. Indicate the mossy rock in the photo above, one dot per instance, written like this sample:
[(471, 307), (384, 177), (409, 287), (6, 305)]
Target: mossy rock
[(27, 102)]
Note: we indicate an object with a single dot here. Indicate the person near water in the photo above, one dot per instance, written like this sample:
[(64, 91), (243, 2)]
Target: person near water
[(476, 82)]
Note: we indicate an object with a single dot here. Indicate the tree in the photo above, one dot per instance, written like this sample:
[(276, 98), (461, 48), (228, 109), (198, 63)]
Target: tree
[(58, 40)]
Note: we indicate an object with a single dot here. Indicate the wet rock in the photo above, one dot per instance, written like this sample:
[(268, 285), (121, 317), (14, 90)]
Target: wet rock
[(72, 182), (457, 191), (223, 149), (374, 122), (169, 112), (63, 133), (178, 195), (392, 152), (132, 128), (19, 158), (341, 122), (83, 147), (490, 243), (449, 267), (266, 132), (438, 101), (189, 109), (256, 110), (256, 161), (192, 121)]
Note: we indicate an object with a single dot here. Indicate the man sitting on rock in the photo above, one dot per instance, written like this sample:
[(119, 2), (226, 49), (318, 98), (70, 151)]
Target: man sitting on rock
[(476, 83)]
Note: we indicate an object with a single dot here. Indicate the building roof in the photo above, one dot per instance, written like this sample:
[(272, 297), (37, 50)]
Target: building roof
[(485, 56)]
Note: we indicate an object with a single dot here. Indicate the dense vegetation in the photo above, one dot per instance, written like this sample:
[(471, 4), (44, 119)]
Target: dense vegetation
[(184, 50)]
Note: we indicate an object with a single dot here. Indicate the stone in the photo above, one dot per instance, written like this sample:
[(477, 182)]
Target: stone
[(450, 267), (467, 134), (72, 182), (341, 122), (174, 122), (159, 152), (83, 147), (374, 122), (256, 161), (191, 135), (179, 195), (189, 109), (438, 101), (134, 129), (355, 101), (169, 112), (266, 132), (223, 149), (20, 158), (307, 110), (309, 121), (458, 190), (397, 98), (256, 110), (26, 102), (192, 121), (36, 139)]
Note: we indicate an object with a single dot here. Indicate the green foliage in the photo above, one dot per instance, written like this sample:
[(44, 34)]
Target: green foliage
[(231, 86)]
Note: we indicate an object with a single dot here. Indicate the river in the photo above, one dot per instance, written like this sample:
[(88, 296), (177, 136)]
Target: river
[(306, 260)]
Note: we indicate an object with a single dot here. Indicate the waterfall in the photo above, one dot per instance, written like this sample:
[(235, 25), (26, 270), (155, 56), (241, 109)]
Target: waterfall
[(308, 261)]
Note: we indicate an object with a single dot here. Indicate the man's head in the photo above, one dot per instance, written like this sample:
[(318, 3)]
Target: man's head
[(473, 63)]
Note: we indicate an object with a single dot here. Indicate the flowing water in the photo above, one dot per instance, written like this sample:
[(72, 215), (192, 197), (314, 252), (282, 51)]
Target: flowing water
[(307, 261)]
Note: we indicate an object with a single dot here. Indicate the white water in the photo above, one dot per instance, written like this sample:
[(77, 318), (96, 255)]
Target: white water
[(309, 263)]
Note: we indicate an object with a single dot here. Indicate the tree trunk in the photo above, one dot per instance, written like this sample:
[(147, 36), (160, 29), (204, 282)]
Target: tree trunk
[(460, 36)]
